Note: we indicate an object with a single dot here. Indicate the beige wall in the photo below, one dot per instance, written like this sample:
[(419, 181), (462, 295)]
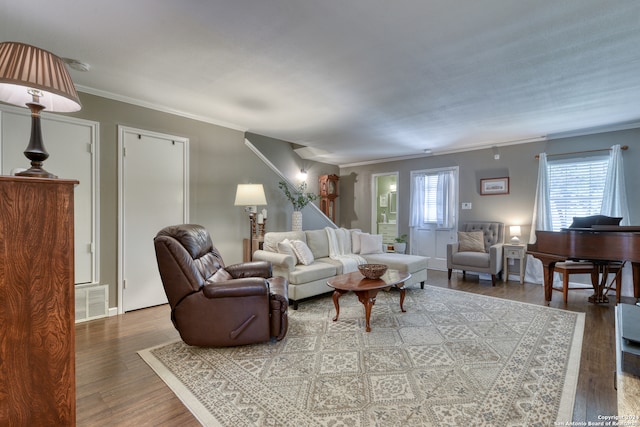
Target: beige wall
[(281, 155), (219, 160)]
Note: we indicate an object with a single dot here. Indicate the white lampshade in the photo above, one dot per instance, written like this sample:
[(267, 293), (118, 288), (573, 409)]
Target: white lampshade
[(250, 195), (515, 232)]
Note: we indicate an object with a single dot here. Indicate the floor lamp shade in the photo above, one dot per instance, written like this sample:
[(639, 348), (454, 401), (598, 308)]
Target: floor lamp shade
[(250, 195), (40, 80)]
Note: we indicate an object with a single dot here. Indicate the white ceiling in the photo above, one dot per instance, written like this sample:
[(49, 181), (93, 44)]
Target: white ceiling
[(357, 79)]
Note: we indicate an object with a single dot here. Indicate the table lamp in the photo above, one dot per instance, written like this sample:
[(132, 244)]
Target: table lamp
[(515, 232), (40, 80)]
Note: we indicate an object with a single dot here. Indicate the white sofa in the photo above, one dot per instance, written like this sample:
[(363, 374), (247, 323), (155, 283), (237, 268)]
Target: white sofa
[(310, 280)]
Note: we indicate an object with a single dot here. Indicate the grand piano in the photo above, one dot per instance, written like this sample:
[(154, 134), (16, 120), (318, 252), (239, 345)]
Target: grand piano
[(600, 244)]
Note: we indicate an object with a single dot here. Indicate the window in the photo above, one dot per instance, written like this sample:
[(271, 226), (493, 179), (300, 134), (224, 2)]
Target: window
[(433, 198), (576, 188)]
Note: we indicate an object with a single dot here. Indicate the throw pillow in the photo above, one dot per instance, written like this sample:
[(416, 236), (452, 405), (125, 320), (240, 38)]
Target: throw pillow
[(302, 251), (470, 241), (355, 241), (370, 244), (221, 275), (284, 247)]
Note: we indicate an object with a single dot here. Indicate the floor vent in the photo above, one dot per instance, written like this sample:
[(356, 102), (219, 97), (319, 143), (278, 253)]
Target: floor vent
[(92, 302)]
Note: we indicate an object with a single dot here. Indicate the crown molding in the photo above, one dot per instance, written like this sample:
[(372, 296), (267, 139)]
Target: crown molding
[(161, 108), (433, 152)]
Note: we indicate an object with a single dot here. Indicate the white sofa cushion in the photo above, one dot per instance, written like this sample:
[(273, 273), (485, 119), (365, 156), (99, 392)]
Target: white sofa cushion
[(370, 244), (272, 238), (309, 273), (318, 243), (400, 262), (355, 241)]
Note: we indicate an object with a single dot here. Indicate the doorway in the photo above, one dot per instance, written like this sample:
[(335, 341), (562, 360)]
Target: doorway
[(434, 214), (152, 194), (384, 208)]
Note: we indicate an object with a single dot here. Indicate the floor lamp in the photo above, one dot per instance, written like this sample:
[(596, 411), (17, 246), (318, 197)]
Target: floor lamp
[(250, 196), (40, 80)]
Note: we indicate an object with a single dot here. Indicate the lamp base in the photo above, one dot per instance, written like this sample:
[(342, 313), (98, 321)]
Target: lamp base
[(37, 172), (515, 240), (35, 151)]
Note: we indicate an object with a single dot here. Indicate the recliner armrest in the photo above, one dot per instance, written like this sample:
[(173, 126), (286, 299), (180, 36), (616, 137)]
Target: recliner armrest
[(250, 269), (249, 286)]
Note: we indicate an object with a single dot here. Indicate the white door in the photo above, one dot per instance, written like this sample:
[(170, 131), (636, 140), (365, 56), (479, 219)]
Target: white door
[(72, 146), (153, 176), (429, 237)]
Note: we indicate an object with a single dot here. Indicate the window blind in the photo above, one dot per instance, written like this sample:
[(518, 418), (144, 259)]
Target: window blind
[(431, 198), (576, 188)]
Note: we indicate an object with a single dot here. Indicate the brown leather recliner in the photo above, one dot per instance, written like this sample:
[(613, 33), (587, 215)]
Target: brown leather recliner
[(210, 307)]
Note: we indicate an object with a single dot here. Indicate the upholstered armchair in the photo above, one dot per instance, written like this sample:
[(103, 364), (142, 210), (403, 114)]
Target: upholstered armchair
[(478, 249), (213, 304)]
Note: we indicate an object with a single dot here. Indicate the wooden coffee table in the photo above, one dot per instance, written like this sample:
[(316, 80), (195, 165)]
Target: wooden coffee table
[(367, 289)]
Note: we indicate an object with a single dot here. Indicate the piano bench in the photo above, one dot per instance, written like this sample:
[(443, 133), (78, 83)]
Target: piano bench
[(583, 267)]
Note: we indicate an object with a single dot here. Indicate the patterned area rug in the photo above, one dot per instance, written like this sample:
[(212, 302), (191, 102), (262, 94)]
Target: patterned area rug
[(453, 359)]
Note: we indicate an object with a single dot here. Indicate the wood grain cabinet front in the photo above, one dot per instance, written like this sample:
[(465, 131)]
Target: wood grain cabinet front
[(37, 349)]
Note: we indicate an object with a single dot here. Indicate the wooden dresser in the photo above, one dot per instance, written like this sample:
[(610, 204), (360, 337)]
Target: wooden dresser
[(37, 341)]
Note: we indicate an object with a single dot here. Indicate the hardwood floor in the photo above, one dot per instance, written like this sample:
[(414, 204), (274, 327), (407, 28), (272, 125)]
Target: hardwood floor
[(116, 387)]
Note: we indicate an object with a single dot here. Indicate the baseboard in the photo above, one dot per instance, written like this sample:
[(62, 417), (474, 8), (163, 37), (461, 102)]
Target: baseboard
[(113, 311)]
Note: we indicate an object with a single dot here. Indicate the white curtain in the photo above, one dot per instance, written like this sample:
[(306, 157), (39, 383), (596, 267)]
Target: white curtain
[(446, 209), (614, 199), (417, 201), (541, 221), (614, 203), (541, 209)]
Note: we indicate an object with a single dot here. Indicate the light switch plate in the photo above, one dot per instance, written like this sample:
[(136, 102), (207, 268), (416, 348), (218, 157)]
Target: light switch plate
[(466, 205)]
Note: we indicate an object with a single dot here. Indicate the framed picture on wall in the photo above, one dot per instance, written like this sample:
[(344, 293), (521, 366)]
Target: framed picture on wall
[(491, 186), (383, 201)]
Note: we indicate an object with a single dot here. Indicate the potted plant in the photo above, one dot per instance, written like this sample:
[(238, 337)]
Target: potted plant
[(401, 244), (299, 198)]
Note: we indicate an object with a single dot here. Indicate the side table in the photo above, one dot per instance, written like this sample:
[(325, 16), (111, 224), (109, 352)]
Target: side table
[(516, 252), (250, 246)]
